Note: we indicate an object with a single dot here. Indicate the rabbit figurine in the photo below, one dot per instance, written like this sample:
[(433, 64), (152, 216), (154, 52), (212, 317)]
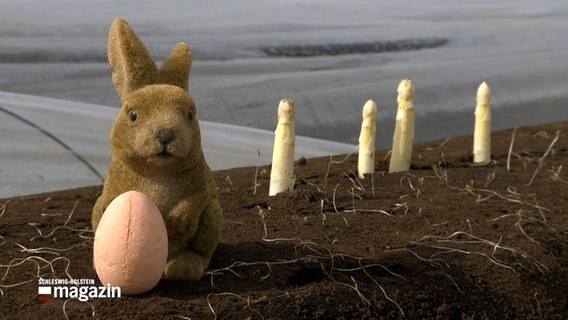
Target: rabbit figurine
[(156, 149)]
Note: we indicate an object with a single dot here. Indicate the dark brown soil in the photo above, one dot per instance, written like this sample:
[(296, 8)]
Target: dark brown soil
[(447, 240)]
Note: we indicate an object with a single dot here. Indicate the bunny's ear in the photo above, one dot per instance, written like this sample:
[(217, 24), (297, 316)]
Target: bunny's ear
[(175, 68), (132, 65)]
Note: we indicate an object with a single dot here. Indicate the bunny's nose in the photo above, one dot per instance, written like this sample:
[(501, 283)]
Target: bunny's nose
[(165, 136)]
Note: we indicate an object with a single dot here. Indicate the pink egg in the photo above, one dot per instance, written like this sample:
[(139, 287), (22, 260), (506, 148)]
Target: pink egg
[(131, 244)]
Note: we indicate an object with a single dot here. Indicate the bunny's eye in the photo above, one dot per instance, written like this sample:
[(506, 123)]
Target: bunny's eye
[(190, 115), (133, 115)]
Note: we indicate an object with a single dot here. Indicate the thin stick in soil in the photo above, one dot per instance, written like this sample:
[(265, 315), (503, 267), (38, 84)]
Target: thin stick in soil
[(556, 175), (256, 185), (48, 250), (2, 212), (64, 307), (247, 300), (443, 176), (511, 150), (4, 208), (385, 293), (373, 185), (496, 194), (541, 159), (331, 161), (33, 259), (477, 240), (5, 286), (353, 287)]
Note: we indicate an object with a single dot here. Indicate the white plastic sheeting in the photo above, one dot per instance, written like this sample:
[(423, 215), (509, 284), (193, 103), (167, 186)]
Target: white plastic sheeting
[(48, 144)]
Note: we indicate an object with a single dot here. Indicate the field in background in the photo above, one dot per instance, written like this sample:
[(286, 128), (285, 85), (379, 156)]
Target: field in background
[(518, 47)]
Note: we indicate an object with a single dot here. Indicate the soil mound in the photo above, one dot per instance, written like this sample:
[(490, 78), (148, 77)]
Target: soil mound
[(447, 240)]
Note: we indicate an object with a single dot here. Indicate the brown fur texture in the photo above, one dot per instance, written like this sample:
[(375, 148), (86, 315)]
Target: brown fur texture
[(156, 149)]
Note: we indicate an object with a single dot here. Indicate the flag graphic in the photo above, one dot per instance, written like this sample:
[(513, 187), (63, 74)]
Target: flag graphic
[(44, 293)]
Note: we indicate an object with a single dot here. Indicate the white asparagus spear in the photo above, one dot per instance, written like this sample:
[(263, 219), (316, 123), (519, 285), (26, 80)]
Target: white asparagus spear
[(366, 162), (482, 131), (282, 173), (403, 139)]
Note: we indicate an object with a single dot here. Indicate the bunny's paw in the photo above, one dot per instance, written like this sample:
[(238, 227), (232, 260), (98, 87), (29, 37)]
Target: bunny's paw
[(186, 265)]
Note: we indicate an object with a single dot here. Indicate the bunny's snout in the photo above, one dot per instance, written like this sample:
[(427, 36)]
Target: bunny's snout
[(165, 136), (166, 142)]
